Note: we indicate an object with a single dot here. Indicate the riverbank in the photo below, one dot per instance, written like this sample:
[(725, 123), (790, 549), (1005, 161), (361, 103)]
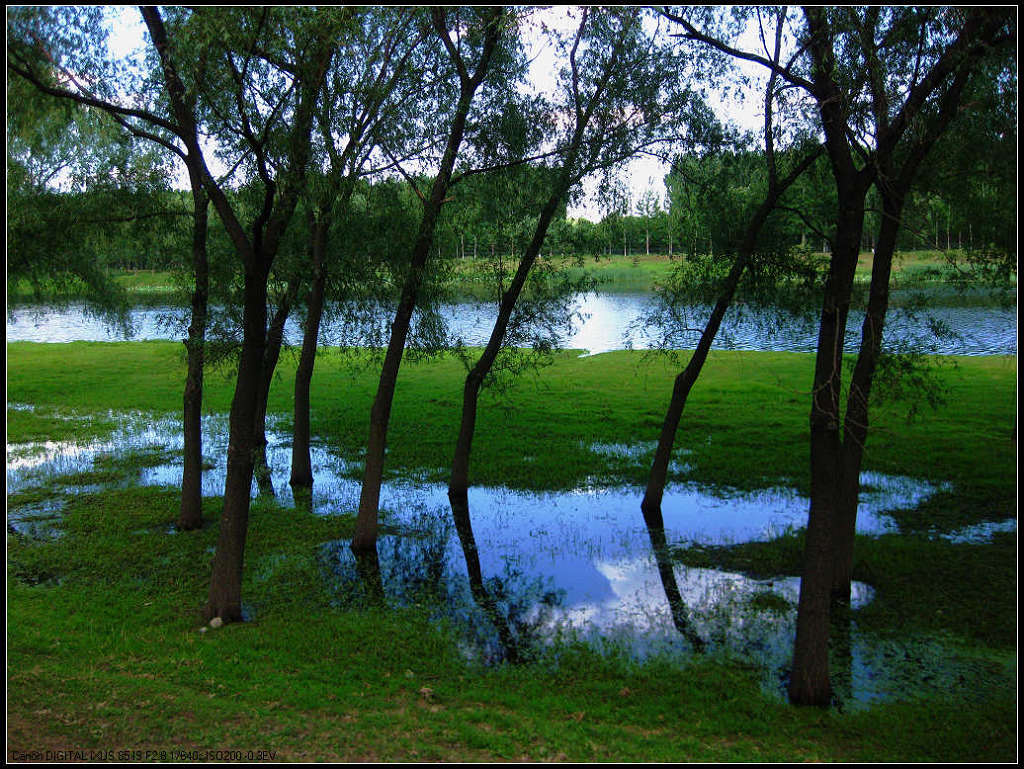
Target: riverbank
[(612, 274), (106, 613)]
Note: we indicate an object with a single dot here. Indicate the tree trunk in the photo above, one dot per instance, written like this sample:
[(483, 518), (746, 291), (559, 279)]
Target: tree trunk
[(655, 492), (458, 484), (225, 596), (653, 495), (365, 537), (894, 187), (190, 515), (271, 355), (256, 255), (302, 466), (855, 427), (809, 682)]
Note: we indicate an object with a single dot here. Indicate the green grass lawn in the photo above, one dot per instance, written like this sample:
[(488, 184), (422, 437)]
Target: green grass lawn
[(103, 642)]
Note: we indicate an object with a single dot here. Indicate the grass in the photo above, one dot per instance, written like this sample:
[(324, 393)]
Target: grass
[(614, 273), (744, 402), (147, 280), (642, 272), (103, 642), (921, 585)]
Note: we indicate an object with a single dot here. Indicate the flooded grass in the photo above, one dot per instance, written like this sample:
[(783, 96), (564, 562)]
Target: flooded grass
[(568, 567), (105, 592)]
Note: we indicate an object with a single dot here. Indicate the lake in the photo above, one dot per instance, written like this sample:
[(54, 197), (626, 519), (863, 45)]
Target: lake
[(605, 322)]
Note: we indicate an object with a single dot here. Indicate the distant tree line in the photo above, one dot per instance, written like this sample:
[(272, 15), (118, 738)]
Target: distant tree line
[(966, 203)]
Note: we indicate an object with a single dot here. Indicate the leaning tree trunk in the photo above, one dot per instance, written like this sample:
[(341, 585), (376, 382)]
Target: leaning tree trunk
[(655, 492), (365, 537), (225, 596), (458, 484), (190, 515), (302, 465)]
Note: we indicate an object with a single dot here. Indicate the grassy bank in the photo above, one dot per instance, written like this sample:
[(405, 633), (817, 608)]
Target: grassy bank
[(612, 273), (104, 652), (117, 639), (745, 425)]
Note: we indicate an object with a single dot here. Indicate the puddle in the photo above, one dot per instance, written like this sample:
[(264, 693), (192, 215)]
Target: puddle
[(605, 518), (558, 565), (39, 521), (619, 605), (981, 533)]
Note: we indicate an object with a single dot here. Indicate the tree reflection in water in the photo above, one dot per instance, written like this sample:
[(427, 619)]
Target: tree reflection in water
[(680, 616), (501, 619)]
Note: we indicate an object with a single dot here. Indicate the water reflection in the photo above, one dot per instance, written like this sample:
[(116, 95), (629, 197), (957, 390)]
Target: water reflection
[(655, 523), (609, 322), (536, 566), (38, 521), (485, 598)]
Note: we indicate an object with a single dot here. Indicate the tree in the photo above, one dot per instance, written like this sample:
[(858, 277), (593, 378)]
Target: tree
[(308, 48), (968, 176), (77, 187), (648, 207), (613, 90), (982, 38), (34, 40), (372, 91), (743, 249), (470, 55), (877, 76), (909, 128)]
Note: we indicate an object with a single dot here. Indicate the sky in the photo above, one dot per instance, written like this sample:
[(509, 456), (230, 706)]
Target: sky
[(640, 176), (644, 173)]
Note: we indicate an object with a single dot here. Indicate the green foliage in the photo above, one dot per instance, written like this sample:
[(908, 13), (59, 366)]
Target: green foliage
[(81, 197)]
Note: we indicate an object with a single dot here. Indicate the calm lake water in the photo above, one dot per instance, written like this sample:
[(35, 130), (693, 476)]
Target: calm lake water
[(605, 322)]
